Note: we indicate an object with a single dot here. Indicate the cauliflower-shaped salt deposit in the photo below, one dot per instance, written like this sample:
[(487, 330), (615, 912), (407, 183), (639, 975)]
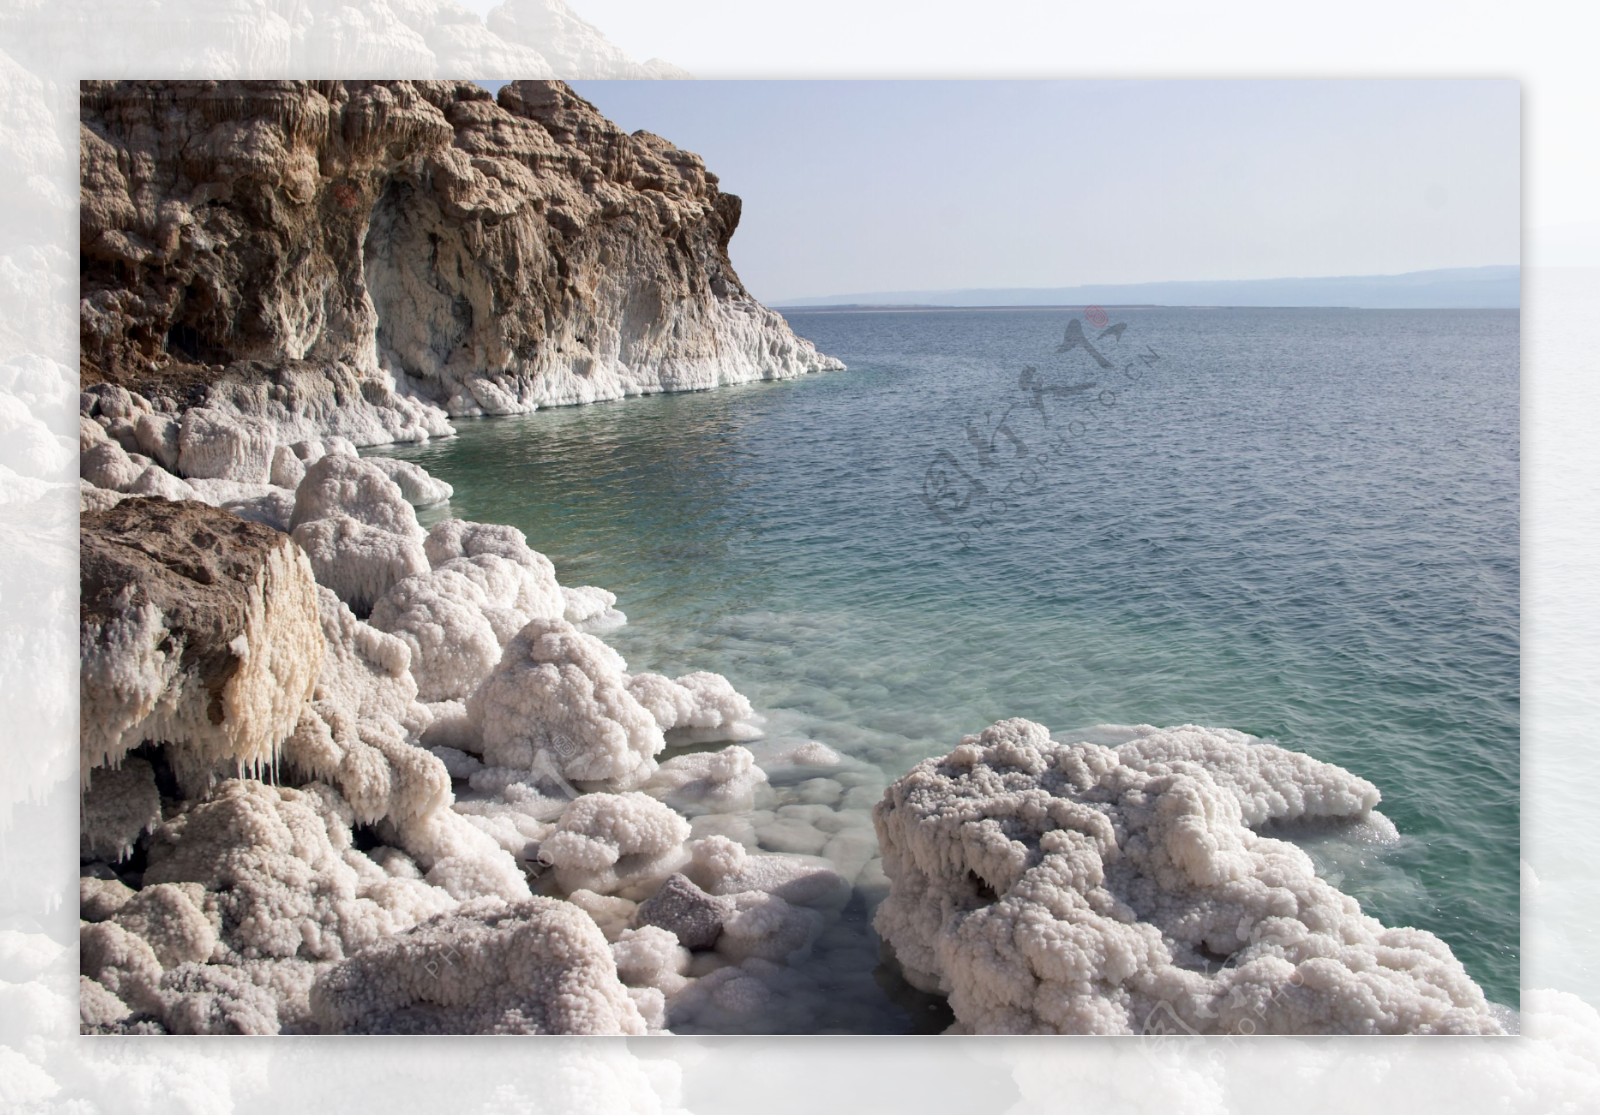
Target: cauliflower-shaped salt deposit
[(338, 484), (538, 966), (559, 699), (1081, 888), (359, 563), (616, 844)]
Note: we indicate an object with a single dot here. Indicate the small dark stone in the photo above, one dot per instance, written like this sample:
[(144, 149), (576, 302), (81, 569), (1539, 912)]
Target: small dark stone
[(693, 915)]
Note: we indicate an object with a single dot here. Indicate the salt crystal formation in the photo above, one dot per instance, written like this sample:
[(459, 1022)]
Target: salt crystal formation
[(1084, 889), (345, 774)]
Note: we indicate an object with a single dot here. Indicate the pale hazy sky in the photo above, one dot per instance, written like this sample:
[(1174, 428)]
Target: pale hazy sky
[(854, 186)]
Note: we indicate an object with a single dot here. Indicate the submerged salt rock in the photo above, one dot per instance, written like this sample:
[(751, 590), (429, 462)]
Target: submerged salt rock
[(723, 781), (538, 966), (1083, 888), (197, 629), (559, 699)]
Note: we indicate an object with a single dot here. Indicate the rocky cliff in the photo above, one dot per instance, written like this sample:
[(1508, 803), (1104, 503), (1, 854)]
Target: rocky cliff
[(297, 250)]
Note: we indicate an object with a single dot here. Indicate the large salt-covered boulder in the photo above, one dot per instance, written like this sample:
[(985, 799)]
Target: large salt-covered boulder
[(213, 444), (1083, 888), (538, 966), (558, 701), (197, 629)]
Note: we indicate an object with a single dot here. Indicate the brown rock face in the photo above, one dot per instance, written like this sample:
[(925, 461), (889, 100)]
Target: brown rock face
[(491, 254), (198, 629)]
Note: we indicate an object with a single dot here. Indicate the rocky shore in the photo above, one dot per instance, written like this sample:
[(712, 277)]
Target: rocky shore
[(327, 755), (345, 774)]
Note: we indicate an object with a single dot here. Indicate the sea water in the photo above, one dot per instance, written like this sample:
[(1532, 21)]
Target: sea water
[(1302, 524)]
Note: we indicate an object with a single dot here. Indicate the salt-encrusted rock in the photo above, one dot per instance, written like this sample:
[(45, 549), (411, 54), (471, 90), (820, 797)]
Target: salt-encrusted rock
[(723, 867), (197, 629), (592, 608), (217, 445), (297, 253), (654, 967), (99, 1010), (440, 617), (724, 781), (173, 920), (338, 484), (694, 916), (612, 913), (419, 489), (156, 481), (559, 699), (1080, 888), (118, 806), (358, 562), (120, 962), (157, 437), (99, 898), (538, 593), (615, 844), (702, 701), (92, 498), (538, 966), (216, 1000)]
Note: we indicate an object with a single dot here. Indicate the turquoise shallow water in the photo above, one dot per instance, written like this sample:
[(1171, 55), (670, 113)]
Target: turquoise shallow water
[(1299, 523)]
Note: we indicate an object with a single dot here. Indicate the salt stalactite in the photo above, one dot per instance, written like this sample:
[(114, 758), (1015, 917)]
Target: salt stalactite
[(210, 649), (1082, 888)]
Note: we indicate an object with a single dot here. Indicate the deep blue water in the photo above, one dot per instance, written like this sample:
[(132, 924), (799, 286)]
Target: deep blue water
[(1298, 523)]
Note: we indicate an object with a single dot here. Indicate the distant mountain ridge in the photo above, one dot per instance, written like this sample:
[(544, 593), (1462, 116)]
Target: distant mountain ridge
[(1470, 288)]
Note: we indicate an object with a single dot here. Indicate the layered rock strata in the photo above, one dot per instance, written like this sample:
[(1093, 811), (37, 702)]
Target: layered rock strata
[(355, 258)]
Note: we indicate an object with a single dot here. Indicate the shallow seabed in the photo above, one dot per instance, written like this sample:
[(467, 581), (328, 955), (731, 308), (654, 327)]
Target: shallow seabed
[(1297, 523)]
